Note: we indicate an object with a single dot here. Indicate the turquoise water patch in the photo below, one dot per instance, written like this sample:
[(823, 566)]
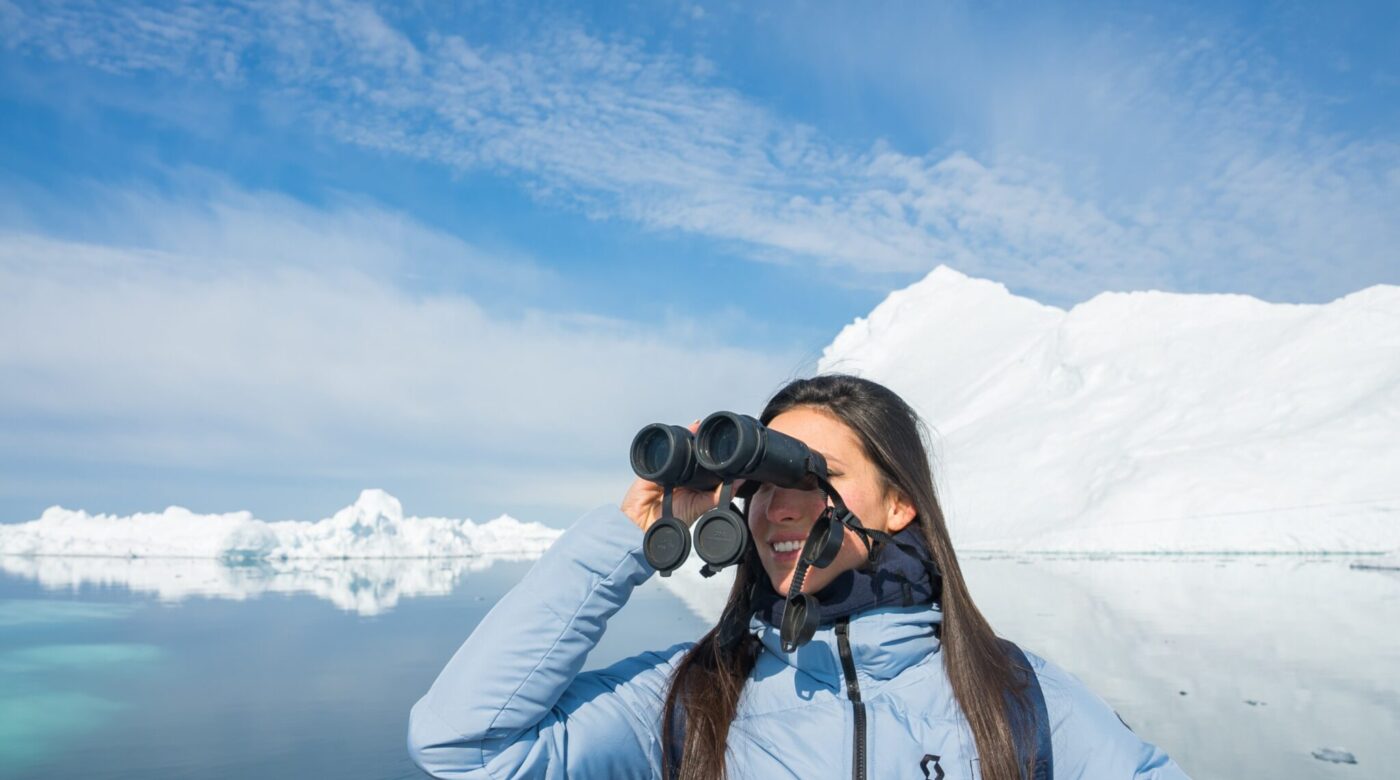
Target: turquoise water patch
[(75, 657), (40, 714), (35, 725), (36, 721), (30, 612)]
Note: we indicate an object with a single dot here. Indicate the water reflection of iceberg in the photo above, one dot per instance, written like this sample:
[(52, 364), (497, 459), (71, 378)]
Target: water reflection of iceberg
[(364, 558), (364, 586)]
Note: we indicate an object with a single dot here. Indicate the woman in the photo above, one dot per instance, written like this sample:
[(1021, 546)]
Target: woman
[(904, 678)]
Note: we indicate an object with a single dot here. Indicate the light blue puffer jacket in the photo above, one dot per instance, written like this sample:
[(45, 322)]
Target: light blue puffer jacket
[(512, 701)]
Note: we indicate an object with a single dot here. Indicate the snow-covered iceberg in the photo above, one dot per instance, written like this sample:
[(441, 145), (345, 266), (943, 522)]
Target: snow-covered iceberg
[(374, 527), (363, 559), (1148, 421)]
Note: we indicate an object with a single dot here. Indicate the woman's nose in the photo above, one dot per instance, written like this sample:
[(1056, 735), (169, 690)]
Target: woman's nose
[(789, 506)]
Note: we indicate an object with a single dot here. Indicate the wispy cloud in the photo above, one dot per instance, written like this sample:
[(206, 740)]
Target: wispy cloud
[(620, 131), (203, 224)]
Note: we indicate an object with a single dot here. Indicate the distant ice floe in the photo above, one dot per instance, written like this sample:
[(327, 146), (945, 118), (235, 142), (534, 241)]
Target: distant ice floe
[(1334, 756), (364, 558), (1389, 562), (1148, 421)]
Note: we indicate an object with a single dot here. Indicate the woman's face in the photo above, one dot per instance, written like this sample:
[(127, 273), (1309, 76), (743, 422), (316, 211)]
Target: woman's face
[(780, 518)]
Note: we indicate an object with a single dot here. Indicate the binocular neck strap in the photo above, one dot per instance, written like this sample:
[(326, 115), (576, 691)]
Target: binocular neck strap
[(848, 518), (831, 493)]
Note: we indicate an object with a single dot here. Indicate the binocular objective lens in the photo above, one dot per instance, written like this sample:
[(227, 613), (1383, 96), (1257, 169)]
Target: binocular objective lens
[(723, 440), (655, 450)]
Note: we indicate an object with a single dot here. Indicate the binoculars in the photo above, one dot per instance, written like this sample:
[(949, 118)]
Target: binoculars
[(725, 448)]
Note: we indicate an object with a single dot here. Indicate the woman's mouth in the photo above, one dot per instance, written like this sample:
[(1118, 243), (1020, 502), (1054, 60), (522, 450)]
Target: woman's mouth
[(785, 551)]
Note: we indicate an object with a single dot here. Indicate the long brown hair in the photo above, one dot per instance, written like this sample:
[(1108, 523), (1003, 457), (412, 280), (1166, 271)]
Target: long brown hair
[(710, 677)]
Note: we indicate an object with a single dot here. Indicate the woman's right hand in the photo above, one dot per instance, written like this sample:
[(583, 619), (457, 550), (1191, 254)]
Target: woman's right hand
[(642, 504)]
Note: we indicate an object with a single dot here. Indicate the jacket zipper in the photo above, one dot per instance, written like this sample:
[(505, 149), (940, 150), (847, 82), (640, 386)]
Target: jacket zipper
[(848, 667)]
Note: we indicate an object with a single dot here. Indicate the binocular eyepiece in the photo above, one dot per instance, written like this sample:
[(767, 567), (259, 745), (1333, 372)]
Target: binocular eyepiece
[(725, 448)]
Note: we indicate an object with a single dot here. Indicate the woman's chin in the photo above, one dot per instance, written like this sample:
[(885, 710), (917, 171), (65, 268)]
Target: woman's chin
[(781, 583)]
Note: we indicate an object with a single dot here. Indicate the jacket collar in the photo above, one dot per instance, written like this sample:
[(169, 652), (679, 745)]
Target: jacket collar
[(891, 608), (884, 641)]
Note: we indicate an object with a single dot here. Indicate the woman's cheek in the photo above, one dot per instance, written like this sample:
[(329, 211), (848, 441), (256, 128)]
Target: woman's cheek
[(852, 553)]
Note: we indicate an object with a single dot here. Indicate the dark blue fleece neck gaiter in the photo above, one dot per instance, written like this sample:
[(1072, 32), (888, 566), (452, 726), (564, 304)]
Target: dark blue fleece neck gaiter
[(898, 578)]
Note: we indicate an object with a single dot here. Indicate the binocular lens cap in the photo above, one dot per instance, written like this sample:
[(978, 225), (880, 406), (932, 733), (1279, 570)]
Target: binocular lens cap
[(800, 618), (667, 544), (823, 541), (721, 537)]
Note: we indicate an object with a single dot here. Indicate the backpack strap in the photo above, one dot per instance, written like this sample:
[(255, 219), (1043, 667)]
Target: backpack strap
[(1021, 720)]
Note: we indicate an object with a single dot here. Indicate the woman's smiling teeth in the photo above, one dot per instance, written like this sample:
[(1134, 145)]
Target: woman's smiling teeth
[(784, 547)]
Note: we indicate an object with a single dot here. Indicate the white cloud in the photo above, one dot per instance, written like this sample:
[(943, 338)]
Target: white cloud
[(280, 356)]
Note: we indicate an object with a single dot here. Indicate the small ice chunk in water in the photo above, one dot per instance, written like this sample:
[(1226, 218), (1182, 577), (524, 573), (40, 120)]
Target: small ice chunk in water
[(1335, 756)]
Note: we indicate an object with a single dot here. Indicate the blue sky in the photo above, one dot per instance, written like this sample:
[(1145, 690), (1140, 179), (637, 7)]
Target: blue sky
[(262, 255)]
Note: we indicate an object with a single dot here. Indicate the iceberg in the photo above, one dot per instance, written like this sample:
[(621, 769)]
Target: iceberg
[(1147, 421), (374, 527), (363, 559)]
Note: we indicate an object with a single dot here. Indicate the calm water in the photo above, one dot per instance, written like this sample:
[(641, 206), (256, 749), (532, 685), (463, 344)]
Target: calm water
[(1240, 667)]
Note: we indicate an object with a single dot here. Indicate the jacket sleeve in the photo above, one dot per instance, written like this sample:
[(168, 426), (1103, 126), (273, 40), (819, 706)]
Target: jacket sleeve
[(512, 703), (1088, 740)]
